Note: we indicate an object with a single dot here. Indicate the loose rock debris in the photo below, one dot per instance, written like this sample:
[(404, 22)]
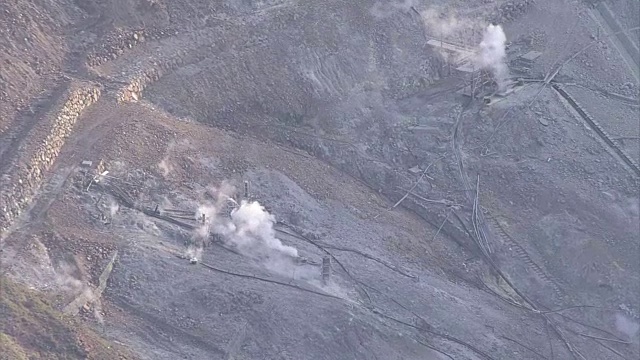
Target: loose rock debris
[(192, 94)]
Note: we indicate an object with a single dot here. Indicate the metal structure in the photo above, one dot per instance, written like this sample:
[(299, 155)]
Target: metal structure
[(326, 270)]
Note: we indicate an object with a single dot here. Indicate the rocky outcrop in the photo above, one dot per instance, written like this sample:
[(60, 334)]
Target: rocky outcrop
[(19, 188), (120, 40)]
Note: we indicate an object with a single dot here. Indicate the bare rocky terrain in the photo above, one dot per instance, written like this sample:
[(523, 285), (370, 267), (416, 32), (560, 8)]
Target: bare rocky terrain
[(174, 174)]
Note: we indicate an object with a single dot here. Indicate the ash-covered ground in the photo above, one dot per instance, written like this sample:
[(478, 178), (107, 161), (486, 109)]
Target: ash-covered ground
[(320, 180)]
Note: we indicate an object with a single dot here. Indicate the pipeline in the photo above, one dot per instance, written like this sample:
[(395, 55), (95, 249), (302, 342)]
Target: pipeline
[(598, 129)]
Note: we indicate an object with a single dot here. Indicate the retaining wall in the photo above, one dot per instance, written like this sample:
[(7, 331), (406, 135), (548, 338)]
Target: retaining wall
[(18, 189)]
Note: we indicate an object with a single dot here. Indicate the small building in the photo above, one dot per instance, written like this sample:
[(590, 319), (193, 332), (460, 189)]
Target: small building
[(415, 170), (530, 57)]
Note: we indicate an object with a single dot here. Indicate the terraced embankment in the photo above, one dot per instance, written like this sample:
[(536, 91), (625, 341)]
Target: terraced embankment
[(27, 170)]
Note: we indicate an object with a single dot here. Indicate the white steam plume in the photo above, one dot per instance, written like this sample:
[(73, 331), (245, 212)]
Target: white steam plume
[(97, 311), (113, 208), (201, 233), (492, 54), (210, 211), (70, 284), (251, 228), (165, 166), (66, 280), (627, 326), (248, 226), (251, 231), (195, 251)]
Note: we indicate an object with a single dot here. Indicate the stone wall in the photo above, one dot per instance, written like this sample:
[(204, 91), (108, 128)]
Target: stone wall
[(18, 189), (133, 91)]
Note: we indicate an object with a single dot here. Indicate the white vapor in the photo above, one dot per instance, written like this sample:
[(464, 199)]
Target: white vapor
[(247, 226), (252, 228), (251, 231), (113, 208), (627, 326), (194, 252), (492, 54), (165, 166), (68, 283), (210, 211), (66, 280)]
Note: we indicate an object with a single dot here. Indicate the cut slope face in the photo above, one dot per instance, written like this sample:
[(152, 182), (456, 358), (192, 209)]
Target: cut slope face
[(453, 229)]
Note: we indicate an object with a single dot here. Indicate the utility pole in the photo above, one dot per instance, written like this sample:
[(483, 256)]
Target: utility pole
[(326, 270), (473, 82), (473, 67)]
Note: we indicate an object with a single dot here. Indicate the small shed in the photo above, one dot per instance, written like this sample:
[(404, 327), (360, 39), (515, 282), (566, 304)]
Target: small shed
[(530, 57), (415, 170)]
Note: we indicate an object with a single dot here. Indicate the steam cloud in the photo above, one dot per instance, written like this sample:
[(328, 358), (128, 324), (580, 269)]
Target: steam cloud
[(70, 284), (66, 281), (492, 54), (210, 211), (249, 227), (195, 251), (113, 208), (165, 166), (627, 326)]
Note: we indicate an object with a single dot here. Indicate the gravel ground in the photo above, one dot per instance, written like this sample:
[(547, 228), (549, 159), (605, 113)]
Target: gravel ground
[(350, 132)]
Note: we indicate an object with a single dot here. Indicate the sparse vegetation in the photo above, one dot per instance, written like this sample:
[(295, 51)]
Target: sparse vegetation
[(32, 329), (403, 215)]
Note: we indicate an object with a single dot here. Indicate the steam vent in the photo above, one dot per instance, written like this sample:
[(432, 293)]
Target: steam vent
[(292, 180)]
